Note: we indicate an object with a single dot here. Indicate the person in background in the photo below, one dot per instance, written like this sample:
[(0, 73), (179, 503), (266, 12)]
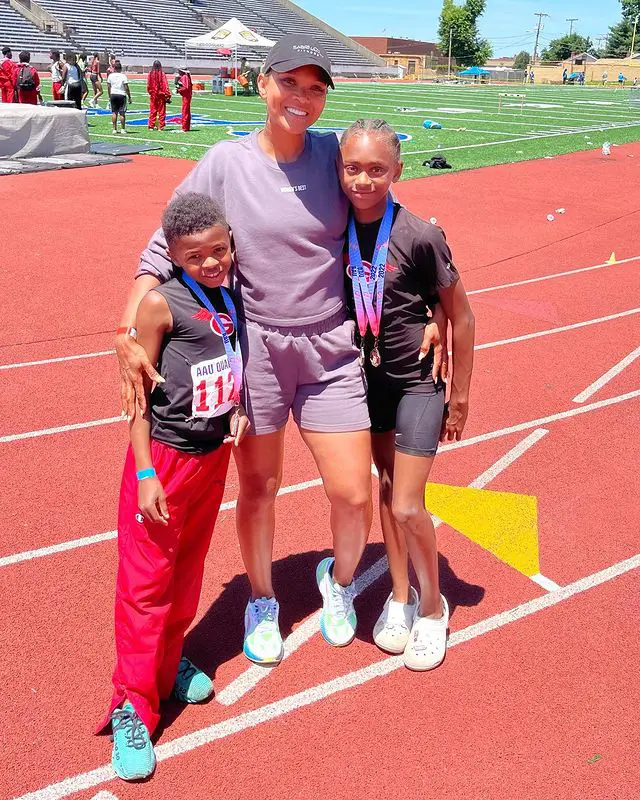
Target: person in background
[(119, 93), (58, 69), (112, 62), (73, 80), (28, 81), (621, 80), (184, 87), (8, 75), (95, 76), (159, 96), (84, 67), (565, 75), (250, 76), (605, 78)]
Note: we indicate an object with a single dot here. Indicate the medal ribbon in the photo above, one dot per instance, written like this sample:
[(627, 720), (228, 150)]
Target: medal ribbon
[(234, 357), (366, 292)]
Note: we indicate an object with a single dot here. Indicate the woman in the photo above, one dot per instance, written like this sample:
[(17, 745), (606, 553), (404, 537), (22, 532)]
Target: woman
[(95, 76), (73, 80), (280, 191), (184, 87), (159, 96), (119, 93)]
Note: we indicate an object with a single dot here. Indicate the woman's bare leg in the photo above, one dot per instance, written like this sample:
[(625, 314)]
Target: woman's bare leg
[(344, 462), (259, 462)]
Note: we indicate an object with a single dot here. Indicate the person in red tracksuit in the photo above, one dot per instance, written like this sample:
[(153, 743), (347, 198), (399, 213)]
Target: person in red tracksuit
[(184, 86), (27, 81), (8, 75), (159, 96)]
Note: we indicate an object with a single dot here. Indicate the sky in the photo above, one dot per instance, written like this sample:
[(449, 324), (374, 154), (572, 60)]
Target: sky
[(508, 24)]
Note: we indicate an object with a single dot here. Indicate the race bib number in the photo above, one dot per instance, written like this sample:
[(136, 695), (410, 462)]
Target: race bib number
[(212, 387)]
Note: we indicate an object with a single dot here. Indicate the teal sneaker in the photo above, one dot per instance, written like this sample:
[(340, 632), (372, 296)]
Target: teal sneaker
[(262, 639), (192, 685), (132, 757), (338, 619)]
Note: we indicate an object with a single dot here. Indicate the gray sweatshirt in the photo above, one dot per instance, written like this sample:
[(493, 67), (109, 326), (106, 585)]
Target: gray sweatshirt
[(288, 222)]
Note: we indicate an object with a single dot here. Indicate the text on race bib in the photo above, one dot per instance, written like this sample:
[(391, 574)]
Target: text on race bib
[(212, 387)]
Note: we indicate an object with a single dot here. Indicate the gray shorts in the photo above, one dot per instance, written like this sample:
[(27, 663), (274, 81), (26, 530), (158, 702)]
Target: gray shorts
[(311, 370)]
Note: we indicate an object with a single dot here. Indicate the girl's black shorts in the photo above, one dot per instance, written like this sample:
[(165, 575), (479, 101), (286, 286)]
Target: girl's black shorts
[(415, 413), (118, 103)]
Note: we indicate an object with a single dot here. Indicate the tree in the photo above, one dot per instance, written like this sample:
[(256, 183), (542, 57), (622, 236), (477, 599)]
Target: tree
[(467, 46), (522, 60), (620, 35), (562, 48)]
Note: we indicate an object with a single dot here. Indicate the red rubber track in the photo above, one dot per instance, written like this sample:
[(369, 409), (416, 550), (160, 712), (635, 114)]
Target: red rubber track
[(542, 707)]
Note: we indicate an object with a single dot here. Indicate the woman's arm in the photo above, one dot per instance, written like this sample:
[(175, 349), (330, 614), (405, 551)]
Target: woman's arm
[(153, 321), (456, 306), (132, 357)]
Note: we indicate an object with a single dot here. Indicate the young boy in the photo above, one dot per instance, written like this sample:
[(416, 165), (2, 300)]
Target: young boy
[(28, 81), (8, 69), (58, 68), (174, 477), (184, 87), (397, 266)]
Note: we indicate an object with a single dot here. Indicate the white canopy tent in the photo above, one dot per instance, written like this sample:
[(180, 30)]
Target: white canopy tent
[(231, 35)]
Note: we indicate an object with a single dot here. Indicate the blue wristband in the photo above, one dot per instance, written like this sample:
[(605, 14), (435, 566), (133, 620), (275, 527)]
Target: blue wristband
[(145, 473)]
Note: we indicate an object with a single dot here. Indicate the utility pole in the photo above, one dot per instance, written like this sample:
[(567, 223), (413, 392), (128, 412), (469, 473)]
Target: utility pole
[(450, 42), (571, 20), (633, 38), (540, 15)]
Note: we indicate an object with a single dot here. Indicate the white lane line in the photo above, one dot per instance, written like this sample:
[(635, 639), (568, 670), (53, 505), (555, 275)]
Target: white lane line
[(483, 437), (535, 423), (546, 583), (552, 276), (16, 437), (609, 375), (254, 674), (472, 291), (574, 326), (85, 541), (57, 360), (104, 796), (251, 719)]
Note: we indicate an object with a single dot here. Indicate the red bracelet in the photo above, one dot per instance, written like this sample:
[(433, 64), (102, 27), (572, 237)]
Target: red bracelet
[(128, 331)]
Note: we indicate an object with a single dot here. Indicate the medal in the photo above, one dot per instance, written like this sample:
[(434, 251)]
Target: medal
[(361, 357), (234, 357), (368, 294)]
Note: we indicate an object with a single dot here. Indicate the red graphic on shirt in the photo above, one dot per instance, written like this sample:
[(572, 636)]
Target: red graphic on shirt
[(207, 316), (367, 269)]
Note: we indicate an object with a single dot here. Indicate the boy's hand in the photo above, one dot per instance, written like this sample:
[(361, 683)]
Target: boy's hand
[(133, 361), (152, 501), (239, 424), (454, 420)]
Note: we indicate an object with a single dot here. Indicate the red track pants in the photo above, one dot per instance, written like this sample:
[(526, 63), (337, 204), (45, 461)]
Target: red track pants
[(8, 94), (160, 573), (186, 112), (157, 108), (55, 88)]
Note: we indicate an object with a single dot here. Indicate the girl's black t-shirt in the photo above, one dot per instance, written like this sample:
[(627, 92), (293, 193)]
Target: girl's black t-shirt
[(419, 262)]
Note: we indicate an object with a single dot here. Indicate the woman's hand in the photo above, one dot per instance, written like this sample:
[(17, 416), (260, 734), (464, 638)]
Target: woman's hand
[(133, 362), (239, 424), (152, 501), (454, 419), (435, 335)]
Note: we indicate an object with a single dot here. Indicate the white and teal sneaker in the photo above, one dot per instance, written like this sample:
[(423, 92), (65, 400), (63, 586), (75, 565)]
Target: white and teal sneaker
[(338, 619), (262, 639), (192, 685), (132, 757)]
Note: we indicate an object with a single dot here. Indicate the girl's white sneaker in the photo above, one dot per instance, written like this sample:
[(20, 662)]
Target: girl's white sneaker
[(393, 628), (427, 645)]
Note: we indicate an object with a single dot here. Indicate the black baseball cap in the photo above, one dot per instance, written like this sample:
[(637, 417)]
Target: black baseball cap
[(296, 50)]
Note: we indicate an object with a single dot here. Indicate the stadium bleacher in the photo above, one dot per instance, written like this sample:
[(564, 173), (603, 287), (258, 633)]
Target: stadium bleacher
[(149, 29), (21, 34)]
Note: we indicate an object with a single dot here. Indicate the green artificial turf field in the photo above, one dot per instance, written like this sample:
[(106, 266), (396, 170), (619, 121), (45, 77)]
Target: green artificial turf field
[(554, 120)]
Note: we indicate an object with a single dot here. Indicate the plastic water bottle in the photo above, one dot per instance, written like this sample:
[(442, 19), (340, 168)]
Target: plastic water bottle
[(606, 149)]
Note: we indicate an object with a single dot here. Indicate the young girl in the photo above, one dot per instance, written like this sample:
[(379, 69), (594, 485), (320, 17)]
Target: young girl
[(184, 87), (397, 264), (119, 93), (159, 96), (174, 478)]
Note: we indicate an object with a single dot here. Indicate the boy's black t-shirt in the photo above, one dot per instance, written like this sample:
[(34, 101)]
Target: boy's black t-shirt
[(419, 261), (190, 410)]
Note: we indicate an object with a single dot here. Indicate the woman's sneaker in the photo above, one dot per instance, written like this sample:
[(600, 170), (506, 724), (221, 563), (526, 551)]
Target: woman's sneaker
[(262, 639), (338, 619), (132, 757), (192, 685), (393, 628), (427, 645)]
